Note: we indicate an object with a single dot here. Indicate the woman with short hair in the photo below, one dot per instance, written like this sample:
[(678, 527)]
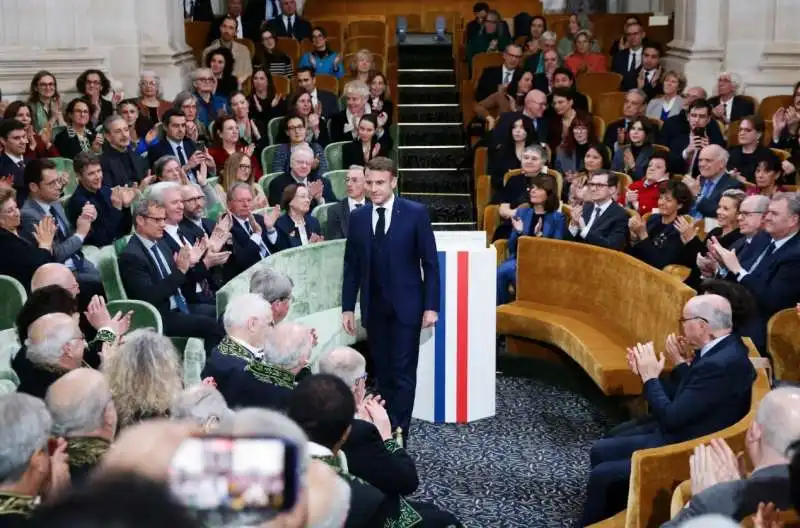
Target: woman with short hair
[(296, 225)]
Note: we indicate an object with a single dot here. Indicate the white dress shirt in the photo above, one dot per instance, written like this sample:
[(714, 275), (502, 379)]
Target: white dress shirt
[(585, 231), (172, 232), (351, 204), (388, 205), (258, 353), (636, 57), (287, 19), (239, 29), (711, 344), (778, 244)]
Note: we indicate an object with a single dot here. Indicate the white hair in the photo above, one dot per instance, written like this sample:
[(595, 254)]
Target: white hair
[(158, 191), (714, 309), (271, 284), (263, 422), (287, 344), (549, 35), (200, 403), (26, 428), (358, 88), (80, 413), (345, 363), (242, 308), (302, 148), (156, 78), (736, 80), (759, 201), (199, 72), (49, 350)]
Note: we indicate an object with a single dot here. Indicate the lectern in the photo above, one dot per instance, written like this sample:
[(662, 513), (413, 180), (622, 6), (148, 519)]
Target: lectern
[(456, 370)]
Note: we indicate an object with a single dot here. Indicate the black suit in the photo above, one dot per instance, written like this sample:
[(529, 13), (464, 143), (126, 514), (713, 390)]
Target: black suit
[(609, 230), (26, 258), (300, 31), (193, 231), (329, 103), (198, 275), (741, 107), (142, 280), (277, 186), (677, 164), (338, 220), (202, 11), (620, 62), (111, 223), (9, 168), (630, 81), (245, 252), (122, 169), (491, 78), (163, 148), (383, 464), (353, 153)]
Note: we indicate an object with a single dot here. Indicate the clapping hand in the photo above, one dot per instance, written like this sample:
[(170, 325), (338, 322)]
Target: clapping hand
[(630, 357), (712, 464), (649, 366), (629, 160), (58, 479), (315, 188), (116, 197), (677, 348), (686, 228), (637, 226), (576, 215), (516, 223), (202, 174), (779, 121), (767, 516), (538, 229), (621, 135), (378, 416), (315, 238), (183, 259), (97, 144), (215, 258), (738, 175), (44, 232), (196, 251), (727, 257), (719, 112), (271, 217), (7, 182), (706, 265)]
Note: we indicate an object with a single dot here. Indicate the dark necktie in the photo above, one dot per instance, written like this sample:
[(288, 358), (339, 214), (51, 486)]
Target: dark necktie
[(181, 156), (359, 205), (725, 112), (380, 227), (180, 301), (770, 250), (59, 224), (289, 26), (276, 11), (21, 164)]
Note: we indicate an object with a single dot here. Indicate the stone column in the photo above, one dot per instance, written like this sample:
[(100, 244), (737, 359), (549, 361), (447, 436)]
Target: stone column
[(776, 71)]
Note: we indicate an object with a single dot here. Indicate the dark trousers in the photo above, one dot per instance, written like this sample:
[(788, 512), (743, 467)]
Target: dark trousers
[(201, 323), (394, 347), (607, 491)]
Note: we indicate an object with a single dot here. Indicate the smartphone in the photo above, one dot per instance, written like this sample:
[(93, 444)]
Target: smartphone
[(699, 131), (230, 481), (201, 145)]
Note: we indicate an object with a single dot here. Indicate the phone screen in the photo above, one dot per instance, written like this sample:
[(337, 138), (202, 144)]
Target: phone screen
[(235, 481)]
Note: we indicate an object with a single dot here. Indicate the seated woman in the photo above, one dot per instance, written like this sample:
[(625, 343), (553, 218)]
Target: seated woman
[(196, 130), (151, 105), (643, 195), (657, 241), (768, 171), (94, 86), (268, 57), (537, 28), (745, 156), (294, 128), (39, 145), (510, 100), (78, 136), (227, 141), (595, 159), (220, 61), (633, 158), (250, 132), (514, 192), (367, 145), (576, 25), (45, 102), (492, 37), (168, 168), (510, 154), (542, 218), (26, 257), (344, 125), (669, 103), (584, 58), (571, 151), (239, 168), (565, 112), (265, 102), (316, 125), (142, 137), (322, 59), (362, 64), (296, 225), (378, 100)]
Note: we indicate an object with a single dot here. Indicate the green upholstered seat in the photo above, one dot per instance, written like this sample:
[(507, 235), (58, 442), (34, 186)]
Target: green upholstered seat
[(266, 180), (267, 157), (9, 345), (65, 165), (12, 297), (144, 314), (273, 128), (321, 214), (338, 184), (109, 273), (333, 153)]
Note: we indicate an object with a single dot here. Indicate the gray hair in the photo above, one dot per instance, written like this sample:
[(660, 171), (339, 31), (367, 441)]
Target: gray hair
[(158, 191), (356, 168), (263, 422), (719, 153), (792, 201), (26, 428), (181, 98), (735, 79), (200, 404), (242, 308), (778, 415), (759, 201), (236, 186), (358, 88), (110, 120), (639, 92), (142, 207), (549, 35), (199, 72), (271, 284), (286, 344), (537, 149), (156, 78), (160, 163), (302, 148), (737, 195), (49, 350), (345, 363), (715, 310), (83, 412)]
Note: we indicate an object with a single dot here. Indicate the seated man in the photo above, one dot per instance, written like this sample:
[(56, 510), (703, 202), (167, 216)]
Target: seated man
[(54, 346), (290, 24), (562, 78), (533, 111), (275, 287), (647, 77), (687, 143), (113, 205), (328, 102), (323, 406), (28, 469), (301, 162), (14, 143), (717, 486), (195, 224), (708, 397), (45, 186), (713, 181), (339, 214), (242, 64), (601, 221), (726, 105), (152, 273), (203, 405), (679, 123), (497, 78), (122, 166), (83, 413), (616, 131), (371, 450)]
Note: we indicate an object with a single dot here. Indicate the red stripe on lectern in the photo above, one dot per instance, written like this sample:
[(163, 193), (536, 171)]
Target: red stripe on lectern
[(462, 335)]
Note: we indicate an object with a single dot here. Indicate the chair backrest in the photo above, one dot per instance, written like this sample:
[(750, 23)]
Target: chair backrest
[(251, 47), (109, 273), (483, 192), (333, 153), (608, 105), (320, 212), (197, 36), (333, 28), (13, 296), (366, 28), (599, 127), (328, 82), (337, 179), (282, 85), (598, 82), (660, 148), (267, 156), (625, 181), (481, 61), (769, 105), (510, 174), (266, 180), (783, 155), (451, 19), (273, 129), (373, 43), (290, 47), (480, 163), (783, 330), (144, 314)]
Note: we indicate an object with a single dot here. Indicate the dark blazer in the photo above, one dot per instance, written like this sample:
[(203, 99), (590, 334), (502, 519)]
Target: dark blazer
[(33, 379), (553, 226), (710, 395), (9, 168), (579, 102), (277, 186), (197, 274), (738, 499), (662, 246), (20, 258), (302, 28), (678, 165), (288, 232), (338, 220), (708, 206), (141, 278), (610, 230), (202, 11), (741, 107), (619, 62), (244, 252), (352, 153), (630, 81), (193, 231), (69, 147), (411, 242), (122, 169), (163, 148), (748, 252), (383, 464), (491, 77), (329, 103), (111, 223), (336, 126), (640, 167)]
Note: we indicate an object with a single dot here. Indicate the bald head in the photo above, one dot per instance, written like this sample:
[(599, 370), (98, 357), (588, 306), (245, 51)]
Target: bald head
[(693, 94), (147, 448), (713, 160), (535, 103), (345, 363), (778, 419), (80, 403), (289, 346), (55, 274)]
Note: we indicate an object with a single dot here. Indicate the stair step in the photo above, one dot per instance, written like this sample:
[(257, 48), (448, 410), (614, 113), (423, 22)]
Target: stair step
[(431, 133), (426, 181), (454, 226), (445, 208), (426, 113), (423, 157), (428, 94), (425, 57), (427, 76)]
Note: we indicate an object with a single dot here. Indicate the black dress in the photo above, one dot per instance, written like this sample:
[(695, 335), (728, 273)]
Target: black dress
[(267, 113), (353, 153), (226, 86), (747, 163), (26, 258), (663, 245), (69, 144)]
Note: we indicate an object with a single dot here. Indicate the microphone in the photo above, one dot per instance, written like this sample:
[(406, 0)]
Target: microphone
[(402, 28), (441, 26)]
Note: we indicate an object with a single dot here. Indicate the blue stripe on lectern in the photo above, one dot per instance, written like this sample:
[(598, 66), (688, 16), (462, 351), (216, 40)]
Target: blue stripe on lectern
[(440, 344)]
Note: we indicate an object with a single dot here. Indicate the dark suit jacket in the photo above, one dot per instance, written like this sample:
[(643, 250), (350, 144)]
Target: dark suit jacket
[(302, 28), (202, 11), (678, 165), (352, 153), (711, 394), (26, 258), (385, 465), (738, 499), (619, 62), (610, 230), (491, 77), (33, 379), (411, 242), (9, 168), (579, 102), (196, 274), (630, 81), (338, 220), (748, 252), (32, 213), (288, 232), (244, 252), (141, 278), (193, 231), (708, 206), (277, 186), (122, 169), (163, 148), (329, 103), (741, 107), (111, 223)]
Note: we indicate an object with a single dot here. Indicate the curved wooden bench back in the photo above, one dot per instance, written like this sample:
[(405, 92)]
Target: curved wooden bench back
[(783, 344)]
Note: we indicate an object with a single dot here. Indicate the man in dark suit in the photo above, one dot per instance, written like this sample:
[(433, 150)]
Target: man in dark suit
[(195, 225), (601, 221), (646, 77), (339, 214), (630, 59), (700, 131), (198, 11), (562, 78), (707, 396), (175, 143), (495, 78), (726, 105), (768, 447), (387, 242), (290, 24), (151, 272), (679, 123), (372, 452), (306, 79), (300, 163), (122, 166), (253, 236), (244, 27), (713, 181), (534, 109), (258, 12), (14, 141), (772, 278), (634, 106)]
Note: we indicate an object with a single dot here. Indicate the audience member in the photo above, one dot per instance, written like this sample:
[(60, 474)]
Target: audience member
[(294, 127), (744, 157), (497, 78), (480, 11), (14, 143), (634, 157), (94, 87), (84, 414), (275, 287), (220, 63), (532, 31), (300, 103), (710, 395), (322, 59), (112, 202), (509, 154), (714, 180), (678, 124), (767, 173), (379, 97), (203, 405), (268, 57), (264, 101), (142, 133), (633, 107), (27, 257), (323, 103), (670, 102), (290, 24), (656, 241), (251, 132), (492, 37), (686, 145), (605, 224), (727, 106), (646, 77), (227, 141), (339, 214), (642, 195), (195, 129), (45, 102), (511, 99), (253, 236), (362, 64), (515, 192), (234, 11), (564, 112), (577, 23), (300, 173), (122, 167), (585, 57), (195, 225), (547, 60), (344, 125), (238, 168), (630, 58), (40, 145), (366, 145), (209, 105), (571, 151), (296, 225), (242, 67), (621, 43), (176, 143), (560, 77), (150, 102), (532, 111)]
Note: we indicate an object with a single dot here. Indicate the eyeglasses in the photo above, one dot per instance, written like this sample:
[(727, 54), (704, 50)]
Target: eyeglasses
[(683, 320), (296, 127), (317, 36), (194, 199), (80, 111), (205, 79), (93, 83), (598, 185), (748, 213), (157, 219), (244, 166)]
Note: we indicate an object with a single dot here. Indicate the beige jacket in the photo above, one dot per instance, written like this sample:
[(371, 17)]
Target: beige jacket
[(242, 62)]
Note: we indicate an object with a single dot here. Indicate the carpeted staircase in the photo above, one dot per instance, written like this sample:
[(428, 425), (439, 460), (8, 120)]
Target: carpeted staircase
[(431, 152)]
